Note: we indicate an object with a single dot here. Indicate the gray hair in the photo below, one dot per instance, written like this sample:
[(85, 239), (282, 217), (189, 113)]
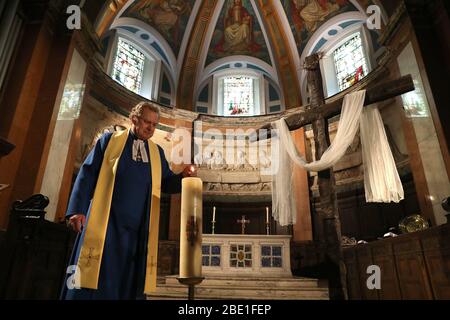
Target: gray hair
[(137, 110)]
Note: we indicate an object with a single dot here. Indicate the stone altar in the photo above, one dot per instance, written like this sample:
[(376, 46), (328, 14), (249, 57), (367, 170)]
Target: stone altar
[(246, 255)]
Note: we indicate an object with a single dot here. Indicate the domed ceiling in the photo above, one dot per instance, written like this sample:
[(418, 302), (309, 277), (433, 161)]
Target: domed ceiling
[(196, 38)]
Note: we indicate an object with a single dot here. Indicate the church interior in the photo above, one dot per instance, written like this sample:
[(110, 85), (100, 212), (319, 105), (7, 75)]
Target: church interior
[(220, 70)]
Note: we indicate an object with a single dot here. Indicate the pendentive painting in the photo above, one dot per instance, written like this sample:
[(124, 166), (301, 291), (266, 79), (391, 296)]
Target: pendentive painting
[(306, 16), (169, 17)]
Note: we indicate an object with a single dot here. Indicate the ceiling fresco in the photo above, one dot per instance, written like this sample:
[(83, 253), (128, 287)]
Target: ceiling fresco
[(168, 17), (306, 16), (238, 32)]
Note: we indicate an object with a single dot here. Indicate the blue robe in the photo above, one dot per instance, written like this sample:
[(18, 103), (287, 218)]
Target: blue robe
[(122, 271)]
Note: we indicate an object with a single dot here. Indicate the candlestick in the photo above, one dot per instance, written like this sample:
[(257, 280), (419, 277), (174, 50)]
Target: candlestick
[(213, 222), (191, 228)]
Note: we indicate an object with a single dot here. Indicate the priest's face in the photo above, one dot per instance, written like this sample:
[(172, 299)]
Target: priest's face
[(145, 125)]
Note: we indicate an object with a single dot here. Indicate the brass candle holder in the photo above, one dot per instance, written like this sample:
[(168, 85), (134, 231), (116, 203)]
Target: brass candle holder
[(191, 283), (213, 223)]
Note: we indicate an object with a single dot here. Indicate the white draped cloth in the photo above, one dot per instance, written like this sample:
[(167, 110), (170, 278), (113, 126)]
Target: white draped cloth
[(381, 180)]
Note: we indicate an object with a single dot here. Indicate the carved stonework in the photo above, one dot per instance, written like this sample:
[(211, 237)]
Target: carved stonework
[(349, 176), (213, 186), (238, 187), (233, 165), (240, 160), (234, 171), (346, 241)]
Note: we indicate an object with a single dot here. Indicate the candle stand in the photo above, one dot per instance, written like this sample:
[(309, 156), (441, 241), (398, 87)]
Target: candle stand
[(191, 283), (213, 226)]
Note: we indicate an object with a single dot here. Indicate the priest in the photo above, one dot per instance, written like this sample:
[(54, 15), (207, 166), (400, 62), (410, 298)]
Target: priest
[(114, 206)]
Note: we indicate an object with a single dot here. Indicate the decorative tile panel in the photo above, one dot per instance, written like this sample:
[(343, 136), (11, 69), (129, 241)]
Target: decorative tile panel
[(211, 255), (240, 256), (271, 256)]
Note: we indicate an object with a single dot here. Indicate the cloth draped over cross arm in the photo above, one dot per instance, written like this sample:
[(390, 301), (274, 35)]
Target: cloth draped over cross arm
[(381, 179)]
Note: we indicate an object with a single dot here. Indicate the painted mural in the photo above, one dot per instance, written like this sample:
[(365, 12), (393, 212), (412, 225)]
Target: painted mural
[(306, 16), (237, 33), (169, 17)]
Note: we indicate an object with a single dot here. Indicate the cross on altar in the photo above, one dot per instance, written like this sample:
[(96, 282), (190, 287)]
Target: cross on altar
[(317, 113), (243, 221)]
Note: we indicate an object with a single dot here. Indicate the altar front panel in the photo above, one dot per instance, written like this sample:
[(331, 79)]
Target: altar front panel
[(246, 255)]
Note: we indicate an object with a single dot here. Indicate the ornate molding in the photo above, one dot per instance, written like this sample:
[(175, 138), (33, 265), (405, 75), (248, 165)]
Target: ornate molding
[(190, 66), (393, 24), (117, 98), (282, 55), (108, 15)]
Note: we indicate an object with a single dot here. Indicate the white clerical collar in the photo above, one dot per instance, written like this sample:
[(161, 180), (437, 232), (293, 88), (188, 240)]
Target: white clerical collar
[(139, 152)]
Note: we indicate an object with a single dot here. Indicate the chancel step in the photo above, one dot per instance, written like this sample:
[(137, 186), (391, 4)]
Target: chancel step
[(216, 287)]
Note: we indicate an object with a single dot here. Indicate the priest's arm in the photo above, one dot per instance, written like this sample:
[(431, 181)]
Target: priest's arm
[(83, 189), (171, 182)]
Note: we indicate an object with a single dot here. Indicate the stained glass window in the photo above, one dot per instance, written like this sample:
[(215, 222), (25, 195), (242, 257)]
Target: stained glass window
[(238, 97), (350, 62), (128, 66)]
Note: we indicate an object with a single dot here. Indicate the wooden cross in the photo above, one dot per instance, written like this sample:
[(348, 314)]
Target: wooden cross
[(243, 221), (318, 114), (90, 257)]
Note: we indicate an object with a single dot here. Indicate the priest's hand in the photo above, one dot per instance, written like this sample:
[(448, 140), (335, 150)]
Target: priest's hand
[(189, 171), (77, 222)]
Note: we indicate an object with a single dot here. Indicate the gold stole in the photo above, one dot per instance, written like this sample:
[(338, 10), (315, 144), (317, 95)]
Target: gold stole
[(94, 239)]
